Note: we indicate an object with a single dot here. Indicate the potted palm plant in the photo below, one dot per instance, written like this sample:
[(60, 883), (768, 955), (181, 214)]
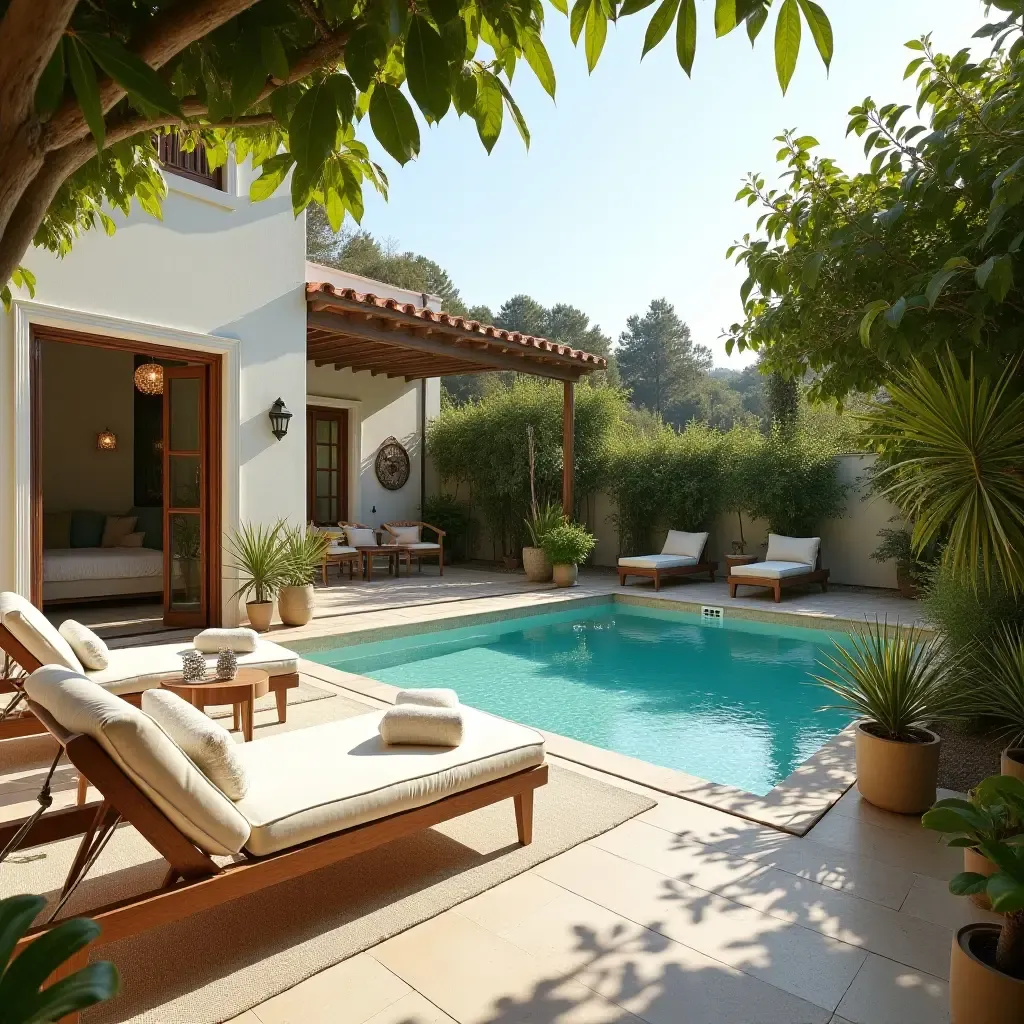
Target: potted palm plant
[(257, 555), (566, 545), (302, 550), (896, 683), (986, 971), (997, 673), (535, 560)]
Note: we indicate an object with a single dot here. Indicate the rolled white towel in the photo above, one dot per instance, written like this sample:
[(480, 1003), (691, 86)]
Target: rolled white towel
[(417, 725), (439, 697), (213, 641)]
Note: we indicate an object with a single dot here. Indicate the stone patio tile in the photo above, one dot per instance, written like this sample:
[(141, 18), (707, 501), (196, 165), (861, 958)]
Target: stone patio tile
[(889, 993), (852, 805), (508, 903), (795, 959), (411, 1009), (930, 900)]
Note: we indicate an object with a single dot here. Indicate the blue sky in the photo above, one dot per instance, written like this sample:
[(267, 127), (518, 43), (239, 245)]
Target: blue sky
[(626, 193)]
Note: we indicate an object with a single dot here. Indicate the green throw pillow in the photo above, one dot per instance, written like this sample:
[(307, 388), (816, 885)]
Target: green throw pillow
[(87, 528)]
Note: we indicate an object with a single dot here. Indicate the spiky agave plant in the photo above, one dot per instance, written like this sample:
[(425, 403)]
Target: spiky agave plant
[(998, 681), (258, 556)]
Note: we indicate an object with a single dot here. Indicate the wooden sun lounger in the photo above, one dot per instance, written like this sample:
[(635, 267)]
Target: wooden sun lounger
[(776, 584), (656, 574), (194, 882)]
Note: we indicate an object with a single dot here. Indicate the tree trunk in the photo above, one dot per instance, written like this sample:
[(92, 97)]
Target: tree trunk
[(1010, 949)]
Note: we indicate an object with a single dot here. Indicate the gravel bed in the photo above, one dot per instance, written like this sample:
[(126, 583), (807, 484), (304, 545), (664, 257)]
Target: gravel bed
[(966, 757)]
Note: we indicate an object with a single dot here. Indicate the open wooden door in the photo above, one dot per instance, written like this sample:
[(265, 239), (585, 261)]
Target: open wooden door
[(186, 496), (326, 466)]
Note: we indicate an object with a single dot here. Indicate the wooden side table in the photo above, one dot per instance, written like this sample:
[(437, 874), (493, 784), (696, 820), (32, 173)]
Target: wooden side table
[(241, 693), (733, 560), (394, 553)]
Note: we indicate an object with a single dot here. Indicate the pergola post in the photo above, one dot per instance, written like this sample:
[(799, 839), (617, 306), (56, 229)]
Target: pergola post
[(568, 436)]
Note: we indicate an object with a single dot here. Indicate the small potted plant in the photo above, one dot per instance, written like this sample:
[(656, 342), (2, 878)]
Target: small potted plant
[(896, 683), (566, 545), (986, 971), (993, 813), (997, 677), (257, 555), (535, 561), (302, 551)]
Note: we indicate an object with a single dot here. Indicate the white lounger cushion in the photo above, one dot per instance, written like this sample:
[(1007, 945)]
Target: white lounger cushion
[(34, 631), (771, 570), (657, 561), (146, 754), (312, 782), (90, 649), (793, 549), (133, 669), (241, 640), (679, 543)]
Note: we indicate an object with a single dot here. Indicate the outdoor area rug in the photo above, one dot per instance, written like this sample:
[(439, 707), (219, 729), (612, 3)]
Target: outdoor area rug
[(301, 694), (215, 965)]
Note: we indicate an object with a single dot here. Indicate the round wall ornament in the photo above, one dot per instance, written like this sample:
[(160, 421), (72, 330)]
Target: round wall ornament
[(392, 464)]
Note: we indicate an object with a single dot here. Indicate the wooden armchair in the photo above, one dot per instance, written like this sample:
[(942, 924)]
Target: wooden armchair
[(418, 549)]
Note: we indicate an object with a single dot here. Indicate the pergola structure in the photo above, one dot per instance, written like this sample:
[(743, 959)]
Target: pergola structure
[(361, 331)]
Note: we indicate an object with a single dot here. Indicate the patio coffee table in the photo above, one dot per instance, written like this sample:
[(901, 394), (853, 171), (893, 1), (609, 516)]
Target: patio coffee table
[(241, 693), (393, 551)]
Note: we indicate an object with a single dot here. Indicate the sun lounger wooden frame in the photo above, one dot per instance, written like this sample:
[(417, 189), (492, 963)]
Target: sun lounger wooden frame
[(194, 882), (816, 575), (656, 574)]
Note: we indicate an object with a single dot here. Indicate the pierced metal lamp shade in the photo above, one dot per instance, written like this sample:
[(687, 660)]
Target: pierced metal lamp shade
[(149, 379), (106, 441)]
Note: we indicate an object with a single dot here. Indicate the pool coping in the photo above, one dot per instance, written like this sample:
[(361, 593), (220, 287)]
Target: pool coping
[(794, 806)]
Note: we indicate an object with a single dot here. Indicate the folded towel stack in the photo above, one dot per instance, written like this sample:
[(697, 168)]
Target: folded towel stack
[(424, 718)]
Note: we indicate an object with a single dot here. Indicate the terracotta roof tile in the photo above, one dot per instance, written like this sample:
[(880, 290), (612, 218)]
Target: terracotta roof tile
[(316, 289)]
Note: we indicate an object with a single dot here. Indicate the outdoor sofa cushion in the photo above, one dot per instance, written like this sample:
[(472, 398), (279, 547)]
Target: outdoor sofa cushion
[(34, 631), (312, 782), (680, 543), (361, 537), (771, 570), (657, 561), (337, 547), (793, 549), (90, 649), (421, 545), (146, 754), (405, 534)]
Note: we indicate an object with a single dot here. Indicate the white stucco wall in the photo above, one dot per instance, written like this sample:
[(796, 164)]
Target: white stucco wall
[(216, 267)]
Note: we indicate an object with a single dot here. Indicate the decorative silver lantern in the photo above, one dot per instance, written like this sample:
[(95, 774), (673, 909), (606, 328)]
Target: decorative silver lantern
[(193, 666), (227, 664)]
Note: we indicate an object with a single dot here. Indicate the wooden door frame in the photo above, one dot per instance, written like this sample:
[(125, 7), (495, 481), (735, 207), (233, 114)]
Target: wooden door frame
[(214, 463), (344, 418)]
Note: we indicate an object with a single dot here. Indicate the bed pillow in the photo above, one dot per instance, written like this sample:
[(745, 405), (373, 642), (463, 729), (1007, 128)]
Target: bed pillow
[(87, 528), (359, 537), (56, 530), (131, 540), (90, 649), (208, 744), (115, 528)]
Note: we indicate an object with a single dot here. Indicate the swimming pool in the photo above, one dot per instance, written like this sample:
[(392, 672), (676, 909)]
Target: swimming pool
[(731, 702)]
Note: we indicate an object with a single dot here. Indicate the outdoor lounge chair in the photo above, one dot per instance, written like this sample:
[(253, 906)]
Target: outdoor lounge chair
[(338, 552), (32, 641), (408, 535), (790, 561), (315, 797), (682, 555)]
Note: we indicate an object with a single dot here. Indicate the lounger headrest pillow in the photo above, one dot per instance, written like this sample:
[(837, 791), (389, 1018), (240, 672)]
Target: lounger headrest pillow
[(430, 697), (240, 640), (90, 649), (145, 753), (34, 631), (793, 549), (420, 726), (690, 545)]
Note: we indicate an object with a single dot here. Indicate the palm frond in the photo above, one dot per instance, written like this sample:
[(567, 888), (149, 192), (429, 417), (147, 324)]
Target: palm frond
[(998, 678)]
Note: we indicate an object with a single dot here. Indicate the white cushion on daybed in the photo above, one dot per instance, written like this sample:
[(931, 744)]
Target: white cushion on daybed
[(657, 561), (680, 543), (312, 782), (146, 754), (771, 570), (793, 549), (34, 631)]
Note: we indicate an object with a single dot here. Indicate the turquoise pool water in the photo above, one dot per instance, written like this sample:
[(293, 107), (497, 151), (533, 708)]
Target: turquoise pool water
[(731, 703)]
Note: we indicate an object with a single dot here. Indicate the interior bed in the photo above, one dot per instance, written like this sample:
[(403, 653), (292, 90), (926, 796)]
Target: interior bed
[(82, 573)]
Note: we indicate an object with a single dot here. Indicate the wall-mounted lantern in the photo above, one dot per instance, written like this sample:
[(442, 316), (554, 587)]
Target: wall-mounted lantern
[(279, 417), (106, 441)]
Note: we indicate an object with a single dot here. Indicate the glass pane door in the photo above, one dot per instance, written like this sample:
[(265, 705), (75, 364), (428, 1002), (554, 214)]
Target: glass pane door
[(185, 496), (327, 468)]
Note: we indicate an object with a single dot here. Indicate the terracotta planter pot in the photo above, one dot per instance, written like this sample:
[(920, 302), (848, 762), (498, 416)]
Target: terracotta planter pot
[(908, 586), (565, 575), (895, 775), (978, 993), (1012, 762), (510, 562), (536, 564), (979, 864), (260, 613), (296, 605)]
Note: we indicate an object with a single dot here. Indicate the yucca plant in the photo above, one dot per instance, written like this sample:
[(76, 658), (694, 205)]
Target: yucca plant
[(302, 552), (893, 678), (23, 999), (257, 555), (542, 520), (955, 447), (998, 681)]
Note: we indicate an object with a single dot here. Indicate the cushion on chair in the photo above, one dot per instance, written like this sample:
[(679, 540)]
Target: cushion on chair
[(360, 537), (312, 782), (90, 649), (34, 631), (793, 549), (205, 741), (405, 534), (423, 546), (657, 561), (240, 639), (421, 725), (339, 547), (679, 543), (146, 754), (771, 570)]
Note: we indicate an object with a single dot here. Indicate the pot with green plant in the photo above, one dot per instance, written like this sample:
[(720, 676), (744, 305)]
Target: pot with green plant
[(896, 682), (257, 555), (986, 970), (302, 551), (535, 560), (895, 545), (566, 545), (996, 669)]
